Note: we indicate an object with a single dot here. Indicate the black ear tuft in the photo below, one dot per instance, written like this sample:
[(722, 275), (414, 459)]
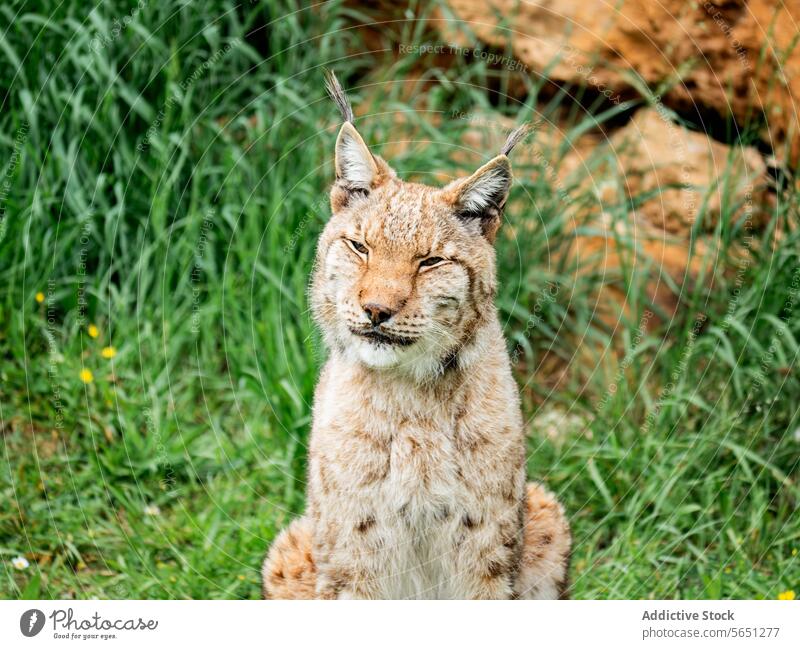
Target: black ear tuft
[(515, 137), (337, 94)]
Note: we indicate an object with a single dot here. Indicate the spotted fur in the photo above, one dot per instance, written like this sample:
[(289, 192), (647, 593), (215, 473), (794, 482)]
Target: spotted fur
[(416, 484)]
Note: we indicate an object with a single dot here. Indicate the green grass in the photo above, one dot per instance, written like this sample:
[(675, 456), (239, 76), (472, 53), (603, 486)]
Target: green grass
[(168, 475)]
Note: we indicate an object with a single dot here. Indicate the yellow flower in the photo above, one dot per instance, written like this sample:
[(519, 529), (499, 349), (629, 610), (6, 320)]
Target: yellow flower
[(786, 595), (794, 552), (94, 332), (109, 352), (40, 297), (86, 375)]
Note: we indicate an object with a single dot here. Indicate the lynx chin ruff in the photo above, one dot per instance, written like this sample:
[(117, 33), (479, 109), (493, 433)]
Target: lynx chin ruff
[(416, 485)]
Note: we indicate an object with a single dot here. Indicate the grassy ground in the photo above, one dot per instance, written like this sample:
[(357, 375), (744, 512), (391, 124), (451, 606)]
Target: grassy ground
[(166, 183)]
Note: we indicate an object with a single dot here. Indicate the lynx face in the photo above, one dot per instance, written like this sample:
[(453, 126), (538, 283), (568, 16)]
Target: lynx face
[(405, 272)]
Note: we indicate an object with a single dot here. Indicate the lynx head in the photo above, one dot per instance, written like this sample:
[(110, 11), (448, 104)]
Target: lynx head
[(405, 273)]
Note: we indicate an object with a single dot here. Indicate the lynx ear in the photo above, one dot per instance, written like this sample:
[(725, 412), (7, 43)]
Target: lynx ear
[(358, 172), (479, 199), (355, 166)]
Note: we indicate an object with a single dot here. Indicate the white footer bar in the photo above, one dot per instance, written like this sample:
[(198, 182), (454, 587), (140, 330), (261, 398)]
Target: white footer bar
[(404, 625)]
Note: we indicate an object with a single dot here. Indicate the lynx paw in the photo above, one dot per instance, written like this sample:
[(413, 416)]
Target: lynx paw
[(546, 549), (289, 571)]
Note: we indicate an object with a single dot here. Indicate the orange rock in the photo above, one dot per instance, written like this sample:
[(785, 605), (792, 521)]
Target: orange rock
[(707, 54)]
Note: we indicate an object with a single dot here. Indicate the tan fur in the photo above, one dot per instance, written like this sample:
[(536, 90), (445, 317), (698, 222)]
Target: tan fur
[(416, 482), (546, 548), (290, 573)]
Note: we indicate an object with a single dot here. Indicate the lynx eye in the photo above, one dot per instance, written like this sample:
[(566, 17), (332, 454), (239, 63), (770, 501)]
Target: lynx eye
[(431, 261), (360, 248)]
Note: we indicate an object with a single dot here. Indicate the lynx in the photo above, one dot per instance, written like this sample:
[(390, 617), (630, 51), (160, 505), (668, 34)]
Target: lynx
[(416, 484)]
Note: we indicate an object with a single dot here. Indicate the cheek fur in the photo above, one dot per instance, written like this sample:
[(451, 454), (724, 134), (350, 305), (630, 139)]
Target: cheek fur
[(341, 271), (334, 283), (444, 290)]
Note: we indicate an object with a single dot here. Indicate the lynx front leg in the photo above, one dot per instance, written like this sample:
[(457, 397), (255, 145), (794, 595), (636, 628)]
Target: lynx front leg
[(339, 583), (347, 561), (487, 547), (546, 548), (290, 570)]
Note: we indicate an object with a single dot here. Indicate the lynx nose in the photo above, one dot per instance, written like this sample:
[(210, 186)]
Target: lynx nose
[(377, 313)]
